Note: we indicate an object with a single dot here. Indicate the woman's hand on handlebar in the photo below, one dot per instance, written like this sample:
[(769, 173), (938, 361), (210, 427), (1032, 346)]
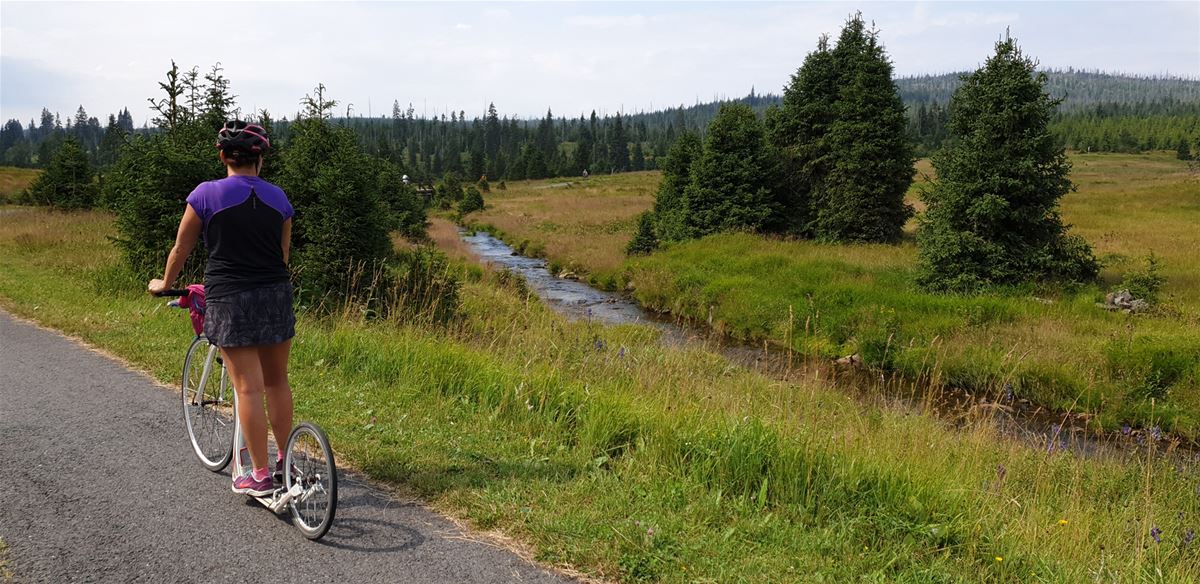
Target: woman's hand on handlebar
[(156, 286)]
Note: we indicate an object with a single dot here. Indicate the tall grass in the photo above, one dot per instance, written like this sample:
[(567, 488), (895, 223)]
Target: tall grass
[(634, 461)]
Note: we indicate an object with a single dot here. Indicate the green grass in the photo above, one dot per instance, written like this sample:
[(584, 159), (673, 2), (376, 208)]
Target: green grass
[(605, 450), (830, 301), (6, 574), (1053, 346), (15, 180)]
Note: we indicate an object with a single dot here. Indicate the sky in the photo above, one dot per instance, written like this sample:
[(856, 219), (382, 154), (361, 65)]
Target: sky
[(527, 57)]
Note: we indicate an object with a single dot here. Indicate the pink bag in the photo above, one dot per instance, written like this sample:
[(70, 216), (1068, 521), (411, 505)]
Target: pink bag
[(194, 302)]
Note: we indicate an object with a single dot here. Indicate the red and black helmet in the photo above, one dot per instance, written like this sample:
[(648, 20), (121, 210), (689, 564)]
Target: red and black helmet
[(242, 137)]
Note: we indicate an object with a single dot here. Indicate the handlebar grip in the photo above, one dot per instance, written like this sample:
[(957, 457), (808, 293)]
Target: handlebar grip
[(171, 293)]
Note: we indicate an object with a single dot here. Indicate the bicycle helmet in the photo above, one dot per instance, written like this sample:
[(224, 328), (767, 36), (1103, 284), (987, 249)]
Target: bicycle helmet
[(239, 136)]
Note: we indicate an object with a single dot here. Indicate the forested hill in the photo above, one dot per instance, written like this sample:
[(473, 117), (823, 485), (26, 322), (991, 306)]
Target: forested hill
[(1080, 90)]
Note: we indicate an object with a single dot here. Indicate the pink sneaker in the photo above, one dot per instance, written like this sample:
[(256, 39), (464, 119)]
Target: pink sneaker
[(248, 485)]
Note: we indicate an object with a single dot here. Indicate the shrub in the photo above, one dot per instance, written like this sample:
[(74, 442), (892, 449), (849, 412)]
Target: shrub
[(148, 188), (1145, 283), (502, 186), (340, 234), (471, 201), (644, 241), (67, 181), (405, 206)]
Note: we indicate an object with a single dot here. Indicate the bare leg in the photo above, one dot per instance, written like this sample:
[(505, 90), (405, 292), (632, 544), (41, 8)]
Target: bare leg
[(274, 361), (246, 372)]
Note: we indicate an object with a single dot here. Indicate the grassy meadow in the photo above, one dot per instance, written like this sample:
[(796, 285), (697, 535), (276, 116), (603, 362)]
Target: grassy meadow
[(1053, 347), (15, 180), (606, 451)]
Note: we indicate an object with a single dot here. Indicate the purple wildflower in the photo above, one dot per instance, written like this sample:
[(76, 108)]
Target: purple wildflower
[(1156, 533), (1188, 536), (1125, 429), (621, 353), (1156, 433), (1008, 392), (599, 344), (1001, 472)]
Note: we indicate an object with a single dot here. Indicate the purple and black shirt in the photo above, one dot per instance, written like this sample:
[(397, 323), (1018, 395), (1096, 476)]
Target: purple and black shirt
[(243, 231)]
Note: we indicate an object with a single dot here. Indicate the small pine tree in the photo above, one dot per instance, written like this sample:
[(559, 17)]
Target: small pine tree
[(669, 203), (1182, 150), (67, 181), (644, 240), (992, 212), (472, 201), (729, 186)]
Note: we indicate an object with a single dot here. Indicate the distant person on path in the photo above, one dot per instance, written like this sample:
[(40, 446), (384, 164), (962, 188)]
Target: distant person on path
[(585, 173), (246, 223)]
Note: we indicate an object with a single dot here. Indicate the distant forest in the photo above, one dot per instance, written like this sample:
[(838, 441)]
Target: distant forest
[(1099, 112)]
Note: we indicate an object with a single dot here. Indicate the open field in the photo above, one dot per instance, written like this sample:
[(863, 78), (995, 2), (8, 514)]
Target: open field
[(583, 227), (14, 180), (1053, 347), (607, 451)]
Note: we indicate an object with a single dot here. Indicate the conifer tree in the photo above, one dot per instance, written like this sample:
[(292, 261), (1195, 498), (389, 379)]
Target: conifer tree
[(870, 156), (730, 182), (670, 206), (618, 146), (644, 240), (638, 161), (67, 181), (797, 130), (1183, 151), (992, 213)]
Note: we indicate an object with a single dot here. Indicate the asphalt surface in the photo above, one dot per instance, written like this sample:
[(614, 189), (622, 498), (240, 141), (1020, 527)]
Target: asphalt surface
[(99, 484)]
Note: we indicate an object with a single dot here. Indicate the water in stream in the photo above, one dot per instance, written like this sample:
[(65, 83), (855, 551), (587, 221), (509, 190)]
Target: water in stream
[(1040, 428)]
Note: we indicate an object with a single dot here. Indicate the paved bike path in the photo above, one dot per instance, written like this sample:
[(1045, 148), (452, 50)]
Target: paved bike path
[(99, 484)]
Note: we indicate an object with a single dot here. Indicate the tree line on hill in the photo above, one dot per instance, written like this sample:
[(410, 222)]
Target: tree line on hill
[(833, 162), (1099, 113)]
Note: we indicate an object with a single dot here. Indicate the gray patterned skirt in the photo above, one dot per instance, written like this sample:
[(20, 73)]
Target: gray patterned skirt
[(259, 316)]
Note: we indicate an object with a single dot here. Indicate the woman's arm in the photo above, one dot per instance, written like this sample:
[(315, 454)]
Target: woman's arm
[(287, 239), (185, 242)]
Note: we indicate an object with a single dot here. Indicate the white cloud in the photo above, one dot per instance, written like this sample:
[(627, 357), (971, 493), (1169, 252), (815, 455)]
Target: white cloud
[(527, 57)]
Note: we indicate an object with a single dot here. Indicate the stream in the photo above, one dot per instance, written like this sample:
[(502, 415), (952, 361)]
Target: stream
[(1035, 426)]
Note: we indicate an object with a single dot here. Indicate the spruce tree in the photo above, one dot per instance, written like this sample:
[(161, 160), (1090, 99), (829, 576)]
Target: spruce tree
[(861, 199), (730, 182), (67, 181), (618, 146), (340, 233), (472, 201), (644, 239), (1182, 150), (797, 131), (669, 204), (992, 213)]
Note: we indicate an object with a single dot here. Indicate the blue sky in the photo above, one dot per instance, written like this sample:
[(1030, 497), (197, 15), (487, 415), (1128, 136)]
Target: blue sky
[(525, 57)]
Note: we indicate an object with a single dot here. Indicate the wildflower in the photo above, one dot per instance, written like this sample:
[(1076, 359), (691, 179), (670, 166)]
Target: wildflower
[(650, 531), (1156, 433), (599, 344), (1008, 392), (1156, 533), (621, 353), (999, 558), (1062, 521), (1001, 472), (1125, 429), (1188, 536)]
